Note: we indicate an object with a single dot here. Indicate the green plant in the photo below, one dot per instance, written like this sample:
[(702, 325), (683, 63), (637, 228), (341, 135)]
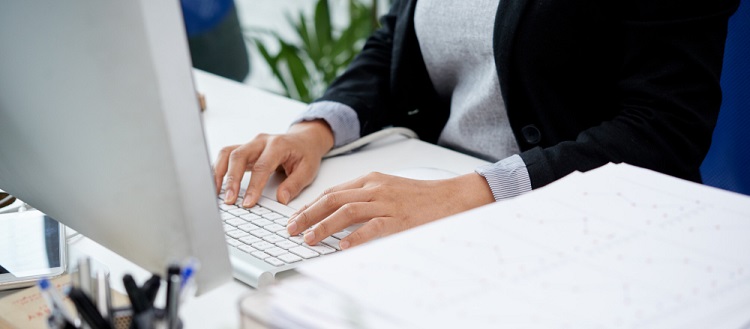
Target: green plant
[(306, 67)]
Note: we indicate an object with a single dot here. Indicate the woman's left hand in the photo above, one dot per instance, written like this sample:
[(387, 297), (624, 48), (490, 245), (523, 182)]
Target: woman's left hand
[(386, 204)]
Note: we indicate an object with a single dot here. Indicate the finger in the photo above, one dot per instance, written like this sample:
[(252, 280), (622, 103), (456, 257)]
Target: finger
[(262, 169), (220, 168), (348, 214), (238, 163), (297, 179), (350, 185), (324, 207), (373, 229)]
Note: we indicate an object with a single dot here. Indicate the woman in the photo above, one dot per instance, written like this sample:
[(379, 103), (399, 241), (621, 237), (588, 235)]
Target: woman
[(540, 87)]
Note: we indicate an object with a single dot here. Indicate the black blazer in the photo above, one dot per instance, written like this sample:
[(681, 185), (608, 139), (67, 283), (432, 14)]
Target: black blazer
[(585, 82)]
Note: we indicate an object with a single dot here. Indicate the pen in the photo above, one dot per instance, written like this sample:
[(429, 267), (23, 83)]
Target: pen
[(173, 296), (87, 309), (84, 275), (55, 320), (187, 283), (53, 298), (103, 295), (187, 275)]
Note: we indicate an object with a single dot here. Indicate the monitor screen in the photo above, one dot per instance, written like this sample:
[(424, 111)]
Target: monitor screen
[(100, 128)]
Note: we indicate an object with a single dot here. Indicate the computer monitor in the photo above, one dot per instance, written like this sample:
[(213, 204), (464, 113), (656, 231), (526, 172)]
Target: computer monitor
[(100, 129)]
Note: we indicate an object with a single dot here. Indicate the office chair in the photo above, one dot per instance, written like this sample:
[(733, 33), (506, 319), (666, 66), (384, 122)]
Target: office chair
[(727, 164), (215, 37)]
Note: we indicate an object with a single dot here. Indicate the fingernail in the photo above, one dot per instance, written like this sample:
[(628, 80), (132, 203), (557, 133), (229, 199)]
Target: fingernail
[(344, 244), (291, 227), (309, 237), (229, 196), (246, 201), (284, 197)]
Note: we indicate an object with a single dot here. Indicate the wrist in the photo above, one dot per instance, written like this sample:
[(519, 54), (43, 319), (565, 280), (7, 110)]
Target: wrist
[(475, 192), (317, 131)]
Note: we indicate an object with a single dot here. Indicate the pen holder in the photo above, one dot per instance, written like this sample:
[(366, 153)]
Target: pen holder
[(122, 318)]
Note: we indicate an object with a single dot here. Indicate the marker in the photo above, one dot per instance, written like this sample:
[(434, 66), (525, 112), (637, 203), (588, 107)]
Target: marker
[(151, 288), (138, 300)]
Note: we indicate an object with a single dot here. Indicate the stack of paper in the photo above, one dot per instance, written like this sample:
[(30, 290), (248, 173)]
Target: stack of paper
[(617, 247)]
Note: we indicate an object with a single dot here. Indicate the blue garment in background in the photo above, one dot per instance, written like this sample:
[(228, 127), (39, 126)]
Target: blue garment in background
[(203, 15), (727, 164)]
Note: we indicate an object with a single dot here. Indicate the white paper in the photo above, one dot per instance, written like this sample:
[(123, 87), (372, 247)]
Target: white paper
[(617, 247)]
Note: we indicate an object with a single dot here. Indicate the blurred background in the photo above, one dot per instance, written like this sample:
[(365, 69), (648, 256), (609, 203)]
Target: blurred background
[(297, 47), (290, 47)]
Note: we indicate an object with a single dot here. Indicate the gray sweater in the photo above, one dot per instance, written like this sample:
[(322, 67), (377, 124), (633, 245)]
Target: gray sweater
[(456, 42)]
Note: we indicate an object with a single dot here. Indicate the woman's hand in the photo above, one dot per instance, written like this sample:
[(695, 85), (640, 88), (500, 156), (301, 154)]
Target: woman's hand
[(386, 204), (298, 152)]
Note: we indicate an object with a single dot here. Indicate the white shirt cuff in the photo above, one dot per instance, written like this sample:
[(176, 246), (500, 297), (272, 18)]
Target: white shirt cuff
[(340, 117), (507, 178)]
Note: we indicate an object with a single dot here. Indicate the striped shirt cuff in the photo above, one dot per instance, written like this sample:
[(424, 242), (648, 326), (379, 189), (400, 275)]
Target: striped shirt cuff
[(507, 178), (340, 117)]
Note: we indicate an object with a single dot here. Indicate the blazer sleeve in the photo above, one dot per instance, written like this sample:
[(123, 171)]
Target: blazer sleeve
[(668, 95), (365, 85)]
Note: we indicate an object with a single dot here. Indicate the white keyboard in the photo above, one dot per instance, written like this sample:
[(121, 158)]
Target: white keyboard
[(261, 232)]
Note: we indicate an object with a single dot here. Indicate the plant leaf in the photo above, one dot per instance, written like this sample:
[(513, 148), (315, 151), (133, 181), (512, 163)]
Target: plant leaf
[(323, 27), (298, 72)]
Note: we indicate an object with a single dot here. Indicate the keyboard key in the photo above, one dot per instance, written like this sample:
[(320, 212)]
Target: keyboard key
[(263, 245), (332, 242), (296, 239), (282, 221), (250, 239), (275, 251), (273, 238), (303, 252), (260, 255), (224, 206), (237, 234), (236, 221), (274, 261), (226, 215), (322, 249), (274, 227), (341, 235), (233, 242), (261, 222), (272, 216), (259, 210), (238, 211), (250, 217), (283, 233), (260, 232), (247, 227), (289, 258), (286, 244), (246, 248), (228, 228)]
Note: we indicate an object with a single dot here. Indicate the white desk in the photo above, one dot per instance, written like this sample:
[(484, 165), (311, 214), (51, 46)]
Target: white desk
[(235, 114)]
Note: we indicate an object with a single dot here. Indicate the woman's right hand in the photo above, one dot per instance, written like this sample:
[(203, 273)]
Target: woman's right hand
[(299, 152)]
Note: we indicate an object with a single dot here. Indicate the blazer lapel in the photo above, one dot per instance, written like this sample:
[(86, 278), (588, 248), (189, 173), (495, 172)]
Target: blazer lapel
[(509, 13)]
